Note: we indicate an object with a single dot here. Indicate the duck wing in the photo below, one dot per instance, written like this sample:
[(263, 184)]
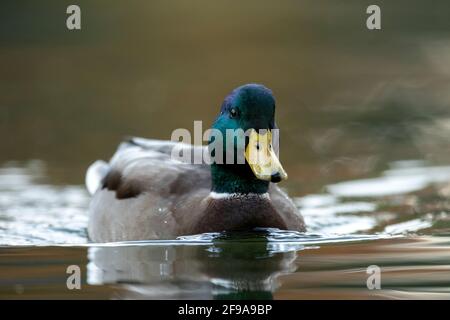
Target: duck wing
[(146, 165)]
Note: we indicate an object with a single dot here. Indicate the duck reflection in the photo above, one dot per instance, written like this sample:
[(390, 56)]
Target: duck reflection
[(221, 269)]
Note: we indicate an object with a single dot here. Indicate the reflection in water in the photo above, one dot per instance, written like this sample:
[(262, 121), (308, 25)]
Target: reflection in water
[(35, 212), (404, 177), (409, 197), (247, 269), (232, 267), (220, 266)]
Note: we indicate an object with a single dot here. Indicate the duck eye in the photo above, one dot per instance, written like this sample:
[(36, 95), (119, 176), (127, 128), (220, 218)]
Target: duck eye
[(233, 113)]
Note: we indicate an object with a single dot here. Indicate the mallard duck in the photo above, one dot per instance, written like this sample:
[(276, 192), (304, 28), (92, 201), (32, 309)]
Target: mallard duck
[(145, 193)]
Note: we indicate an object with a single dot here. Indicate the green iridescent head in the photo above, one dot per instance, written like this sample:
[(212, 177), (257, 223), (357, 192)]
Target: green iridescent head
[(249, 109)]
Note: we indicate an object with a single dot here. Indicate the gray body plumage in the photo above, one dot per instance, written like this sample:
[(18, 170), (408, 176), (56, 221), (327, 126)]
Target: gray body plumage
[(143, 194)]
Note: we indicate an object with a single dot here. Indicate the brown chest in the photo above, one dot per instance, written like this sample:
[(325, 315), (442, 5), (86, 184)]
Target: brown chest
[(238, 213)]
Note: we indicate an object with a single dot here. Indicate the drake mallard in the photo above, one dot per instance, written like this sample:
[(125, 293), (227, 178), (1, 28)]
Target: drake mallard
[(144, 193)]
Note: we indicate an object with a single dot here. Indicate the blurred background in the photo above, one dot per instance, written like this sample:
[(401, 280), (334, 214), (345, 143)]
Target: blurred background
[(349, 100)]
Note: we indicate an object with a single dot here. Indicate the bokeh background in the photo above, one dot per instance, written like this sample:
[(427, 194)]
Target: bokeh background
[(349, 100)]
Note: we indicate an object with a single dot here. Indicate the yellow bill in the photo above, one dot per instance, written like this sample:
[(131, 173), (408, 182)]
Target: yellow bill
[(262, 159)]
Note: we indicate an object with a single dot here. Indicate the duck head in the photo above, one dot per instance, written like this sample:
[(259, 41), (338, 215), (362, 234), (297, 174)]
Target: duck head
[(247, 126)]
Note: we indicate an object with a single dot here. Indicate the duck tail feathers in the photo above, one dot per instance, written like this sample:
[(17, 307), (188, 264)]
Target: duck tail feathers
[(95, 174)]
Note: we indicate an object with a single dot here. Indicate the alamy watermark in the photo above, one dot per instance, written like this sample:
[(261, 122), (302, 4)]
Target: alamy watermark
[(74, 279), (373, 22), (234, 146), (374, 280), (73, 21)]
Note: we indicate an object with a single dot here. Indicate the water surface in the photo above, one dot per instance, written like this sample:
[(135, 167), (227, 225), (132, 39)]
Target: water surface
[(44, 231)]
